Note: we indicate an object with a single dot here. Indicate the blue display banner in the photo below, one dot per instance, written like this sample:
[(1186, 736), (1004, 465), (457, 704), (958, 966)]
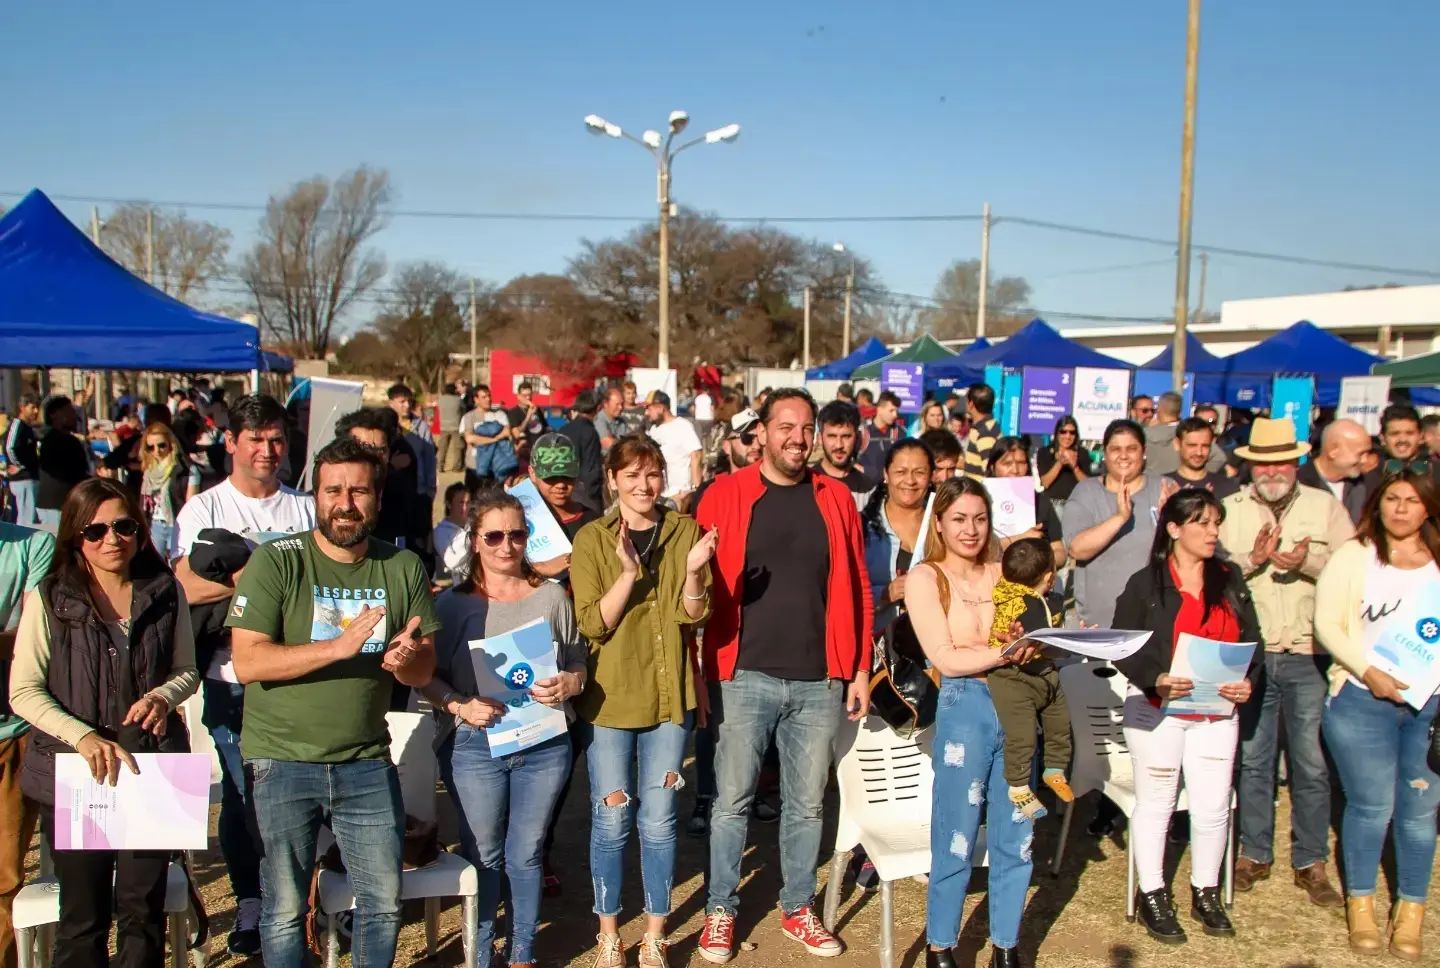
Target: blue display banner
[(1010, 397), (1292, 397), (906, 381)]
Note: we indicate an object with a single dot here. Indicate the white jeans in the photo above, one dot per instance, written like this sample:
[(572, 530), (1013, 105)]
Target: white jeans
[(1163, 749)]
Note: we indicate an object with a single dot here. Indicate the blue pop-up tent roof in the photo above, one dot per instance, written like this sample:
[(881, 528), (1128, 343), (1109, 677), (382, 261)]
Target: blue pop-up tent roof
[(842, 368), (1035, 345), (64, 302), (1197, 358), (1304, 348)]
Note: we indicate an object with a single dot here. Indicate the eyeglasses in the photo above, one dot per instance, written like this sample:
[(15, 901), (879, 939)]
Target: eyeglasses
[(1067, 430), (123, 528), (162, 448), (747, 439), (1146, 410), (492, 539)]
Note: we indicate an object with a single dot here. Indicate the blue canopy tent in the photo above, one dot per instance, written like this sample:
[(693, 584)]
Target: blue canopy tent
[(1304, 348), (1198, 359), (64, 302), (940, 386), (841, 369), (1037, 344)]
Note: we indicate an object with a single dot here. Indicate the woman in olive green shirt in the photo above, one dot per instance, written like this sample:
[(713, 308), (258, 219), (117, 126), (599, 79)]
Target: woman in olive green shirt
[(641, 579)]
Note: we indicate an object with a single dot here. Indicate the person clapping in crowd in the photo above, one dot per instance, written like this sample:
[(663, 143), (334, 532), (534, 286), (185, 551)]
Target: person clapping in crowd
[(1185, 588), (1063, 463), (104, 657), (503, 802), (1377, 737), (641, 577)]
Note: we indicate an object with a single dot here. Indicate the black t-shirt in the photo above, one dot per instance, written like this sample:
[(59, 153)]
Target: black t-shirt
[(787, 571), (1065, 481), (533, 429), (1216, 482), (1047, 518)]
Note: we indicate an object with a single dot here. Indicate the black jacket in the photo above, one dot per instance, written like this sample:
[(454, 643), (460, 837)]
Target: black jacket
[(1144, 605), (589, 486), (1356, 491), (63, 464), (25, 452)]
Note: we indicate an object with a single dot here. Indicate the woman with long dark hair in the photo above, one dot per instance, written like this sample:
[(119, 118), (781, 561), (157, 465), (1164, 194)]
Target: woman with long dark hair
[(104, 657), (1063, 463), (1364, 605), (1184, 588), (504, 802), (950, 605), (892, 519), (641, 577)]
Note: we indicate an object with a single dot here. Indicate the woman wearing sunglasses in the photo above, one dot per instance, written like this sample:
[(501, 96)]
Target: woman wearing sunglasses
[(1063, 463), (503, 802), (641, 578), (103, 658), (166, 482)]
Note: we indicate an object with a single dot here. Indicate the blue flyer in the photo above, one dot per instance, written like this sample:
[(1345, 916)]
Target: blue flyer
[(506, 667), (547, 538), (1209, 665), (1408, 646)]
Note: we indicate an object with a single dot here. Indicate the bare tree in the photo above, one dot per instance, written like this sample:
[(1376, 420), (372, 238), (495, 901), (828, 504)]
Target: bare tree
[(309, 265), (422, 321), (958, 295), (188, 255)]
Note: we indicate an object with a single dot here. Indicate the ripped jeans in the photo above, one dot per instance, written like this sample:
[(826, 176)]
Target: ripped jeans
[(615, 758), (1164, 750), (969, 757), (1379, 751)]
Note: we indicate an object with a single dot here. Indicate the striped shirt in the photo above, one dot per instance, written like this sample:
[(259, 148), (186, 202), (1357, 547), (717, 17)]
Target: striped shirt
[(978, 445)]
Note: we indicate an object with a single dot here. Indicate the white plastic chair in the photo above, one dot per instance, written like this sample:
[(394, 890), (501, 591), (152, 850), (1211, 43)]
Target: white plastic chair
[(1095, 693), (37, 911), (885, 785), (411, 738)]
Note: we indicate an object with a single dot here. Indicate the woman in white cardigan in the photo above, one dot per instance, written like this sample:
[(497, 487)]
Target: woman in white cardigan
[(1378, 590)]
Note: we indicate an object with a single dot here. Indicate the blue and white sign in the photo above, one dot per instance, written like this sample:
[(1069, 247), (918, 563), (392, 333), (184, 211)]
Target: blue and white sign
[(1291, 398), (1408, 646), (547, 538), (1101, 395), (1208, 664), (1362, 398), (906, 381), (506, 668)]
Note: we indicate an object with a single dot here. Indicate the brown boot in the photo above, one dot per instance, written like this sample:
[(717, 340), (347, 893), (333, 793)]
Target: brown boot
[(1248, 871), (1405, 923), (1317, 885), (1364, 932)]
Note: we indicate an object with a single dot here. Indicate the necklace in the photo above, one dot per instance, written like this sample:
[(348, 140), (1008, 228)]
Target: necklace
[(645, 555)]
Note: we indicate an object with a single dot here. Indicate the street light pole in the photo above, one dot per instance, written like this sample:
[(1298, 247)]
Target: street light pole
[(664, 156), (1187, 200)]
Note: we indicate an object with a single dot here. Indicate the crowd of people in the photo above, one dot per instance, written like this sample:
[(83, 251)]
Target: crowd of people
[(728, 579)]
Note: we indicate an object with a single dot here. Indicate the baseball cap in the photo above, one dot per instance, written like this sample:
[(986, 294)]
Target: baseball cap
[(744, 421), (554, 455), (660, 397)]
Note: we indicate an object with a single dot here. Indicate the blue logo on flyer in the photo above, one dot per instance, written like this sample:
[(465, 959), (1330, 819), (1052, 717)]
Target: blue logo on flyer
[(520, 677), (1428, 629)]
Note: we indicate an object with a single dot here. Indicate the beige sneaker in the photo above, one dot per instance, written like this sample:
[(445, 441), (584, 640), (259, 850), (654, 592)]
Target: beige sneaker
[(610, 951), (652, 952)]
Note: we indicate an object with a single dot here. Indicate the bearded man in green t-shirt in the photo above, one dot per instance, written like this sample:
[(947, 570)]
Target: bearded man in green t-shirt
[(322, 626)]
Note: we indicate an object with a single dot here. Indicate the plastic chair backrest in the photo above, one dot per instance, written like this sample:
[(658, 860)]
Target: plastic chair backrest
[(412, 737), (1095, 693), (885, 780)]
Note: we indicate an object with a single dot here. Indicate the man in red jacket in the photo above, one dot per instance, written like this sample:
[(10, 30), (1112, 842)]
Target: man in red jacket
[(787, 653)]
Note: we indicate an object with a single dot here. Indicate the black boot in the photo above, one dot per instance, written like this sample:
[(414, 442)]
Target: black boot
[(1157, 911), (1004, 957), (939, 959), (1206, 907)]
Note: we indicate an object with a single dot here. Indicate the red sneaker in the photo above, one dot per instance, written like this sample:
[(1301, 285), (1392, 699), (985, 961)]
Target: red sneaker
[(717, 938), (803, 926)]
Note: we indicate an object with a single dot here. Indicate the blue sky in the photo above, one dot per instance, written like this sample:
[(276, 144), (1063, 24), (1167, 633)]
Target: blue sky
[(1317, 132)]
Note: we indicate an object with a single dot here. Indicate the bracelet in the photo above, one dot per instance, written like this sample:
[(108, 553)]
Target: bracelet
[(445, 699), (696, 598)]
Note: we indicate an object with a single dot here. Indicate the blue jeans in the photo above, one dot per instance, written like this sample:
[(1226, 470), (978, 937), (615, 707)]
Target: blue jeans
[(239, 839), (49, 517), (1293, 688), (504, 806), (1379, 749), (637, 762), (969, 771), (24, 492), (160, 532), (360, 801), (803, 718)]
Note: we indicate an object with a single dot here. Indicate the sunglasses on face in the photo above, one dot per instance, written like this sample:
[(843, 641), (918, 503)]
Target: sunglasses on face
[(123, 528), (162, 448), (492, 539)]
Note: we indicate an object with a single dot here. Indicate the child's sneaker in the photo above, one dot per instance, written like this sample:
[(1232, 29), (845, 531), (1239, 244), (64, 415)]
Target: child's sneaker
[(1055, 780), (1027, 803)]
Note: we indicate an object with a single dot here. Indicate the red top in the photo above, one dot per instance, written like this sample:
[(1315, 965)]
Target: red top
[(726, 506), (1220, 625)]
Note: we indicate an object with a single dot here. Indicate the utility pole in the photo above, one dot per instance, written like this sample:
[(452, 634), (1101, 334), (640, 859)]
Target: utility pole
[(1187, 199), (95, 224), (849, 295), (474, 327), (1200, 299), (984, 270), (664, 193), (805, 346), (102, 385), (150, 246)]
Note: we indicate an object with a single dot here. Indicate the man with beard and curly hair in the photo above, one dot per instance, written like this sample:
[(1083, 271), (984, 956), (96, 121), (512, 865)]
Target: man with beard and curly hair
[(323, 625)]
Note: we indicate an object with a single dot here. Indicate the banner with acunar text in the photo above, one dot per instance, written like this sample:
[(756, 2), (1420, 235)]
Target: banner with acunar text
[(1101, 395), (1362, 398)]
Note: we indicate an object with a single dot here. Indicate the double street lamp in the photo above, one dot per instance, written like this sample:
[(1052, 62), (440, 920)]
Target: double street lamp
[(664, 151)]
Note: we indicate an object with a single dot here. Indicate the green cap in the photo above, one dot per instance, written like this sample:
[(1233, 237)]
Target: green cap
[(554, 455)]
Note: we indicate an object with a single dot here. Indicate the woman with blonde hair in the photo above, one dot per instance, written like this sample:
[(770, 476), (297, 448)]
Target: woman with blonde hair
[(167, 481)]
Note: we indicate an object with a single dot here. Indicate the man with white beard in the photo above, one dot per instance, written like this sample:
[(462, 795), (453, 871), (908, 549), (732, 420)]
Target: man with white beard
[(1281, 533)]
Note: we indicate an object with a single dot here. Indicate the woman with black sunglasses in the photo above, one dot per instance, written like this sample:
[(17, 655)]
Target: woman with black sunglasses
[(104, 657), (1063, 463), (504, 802)]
